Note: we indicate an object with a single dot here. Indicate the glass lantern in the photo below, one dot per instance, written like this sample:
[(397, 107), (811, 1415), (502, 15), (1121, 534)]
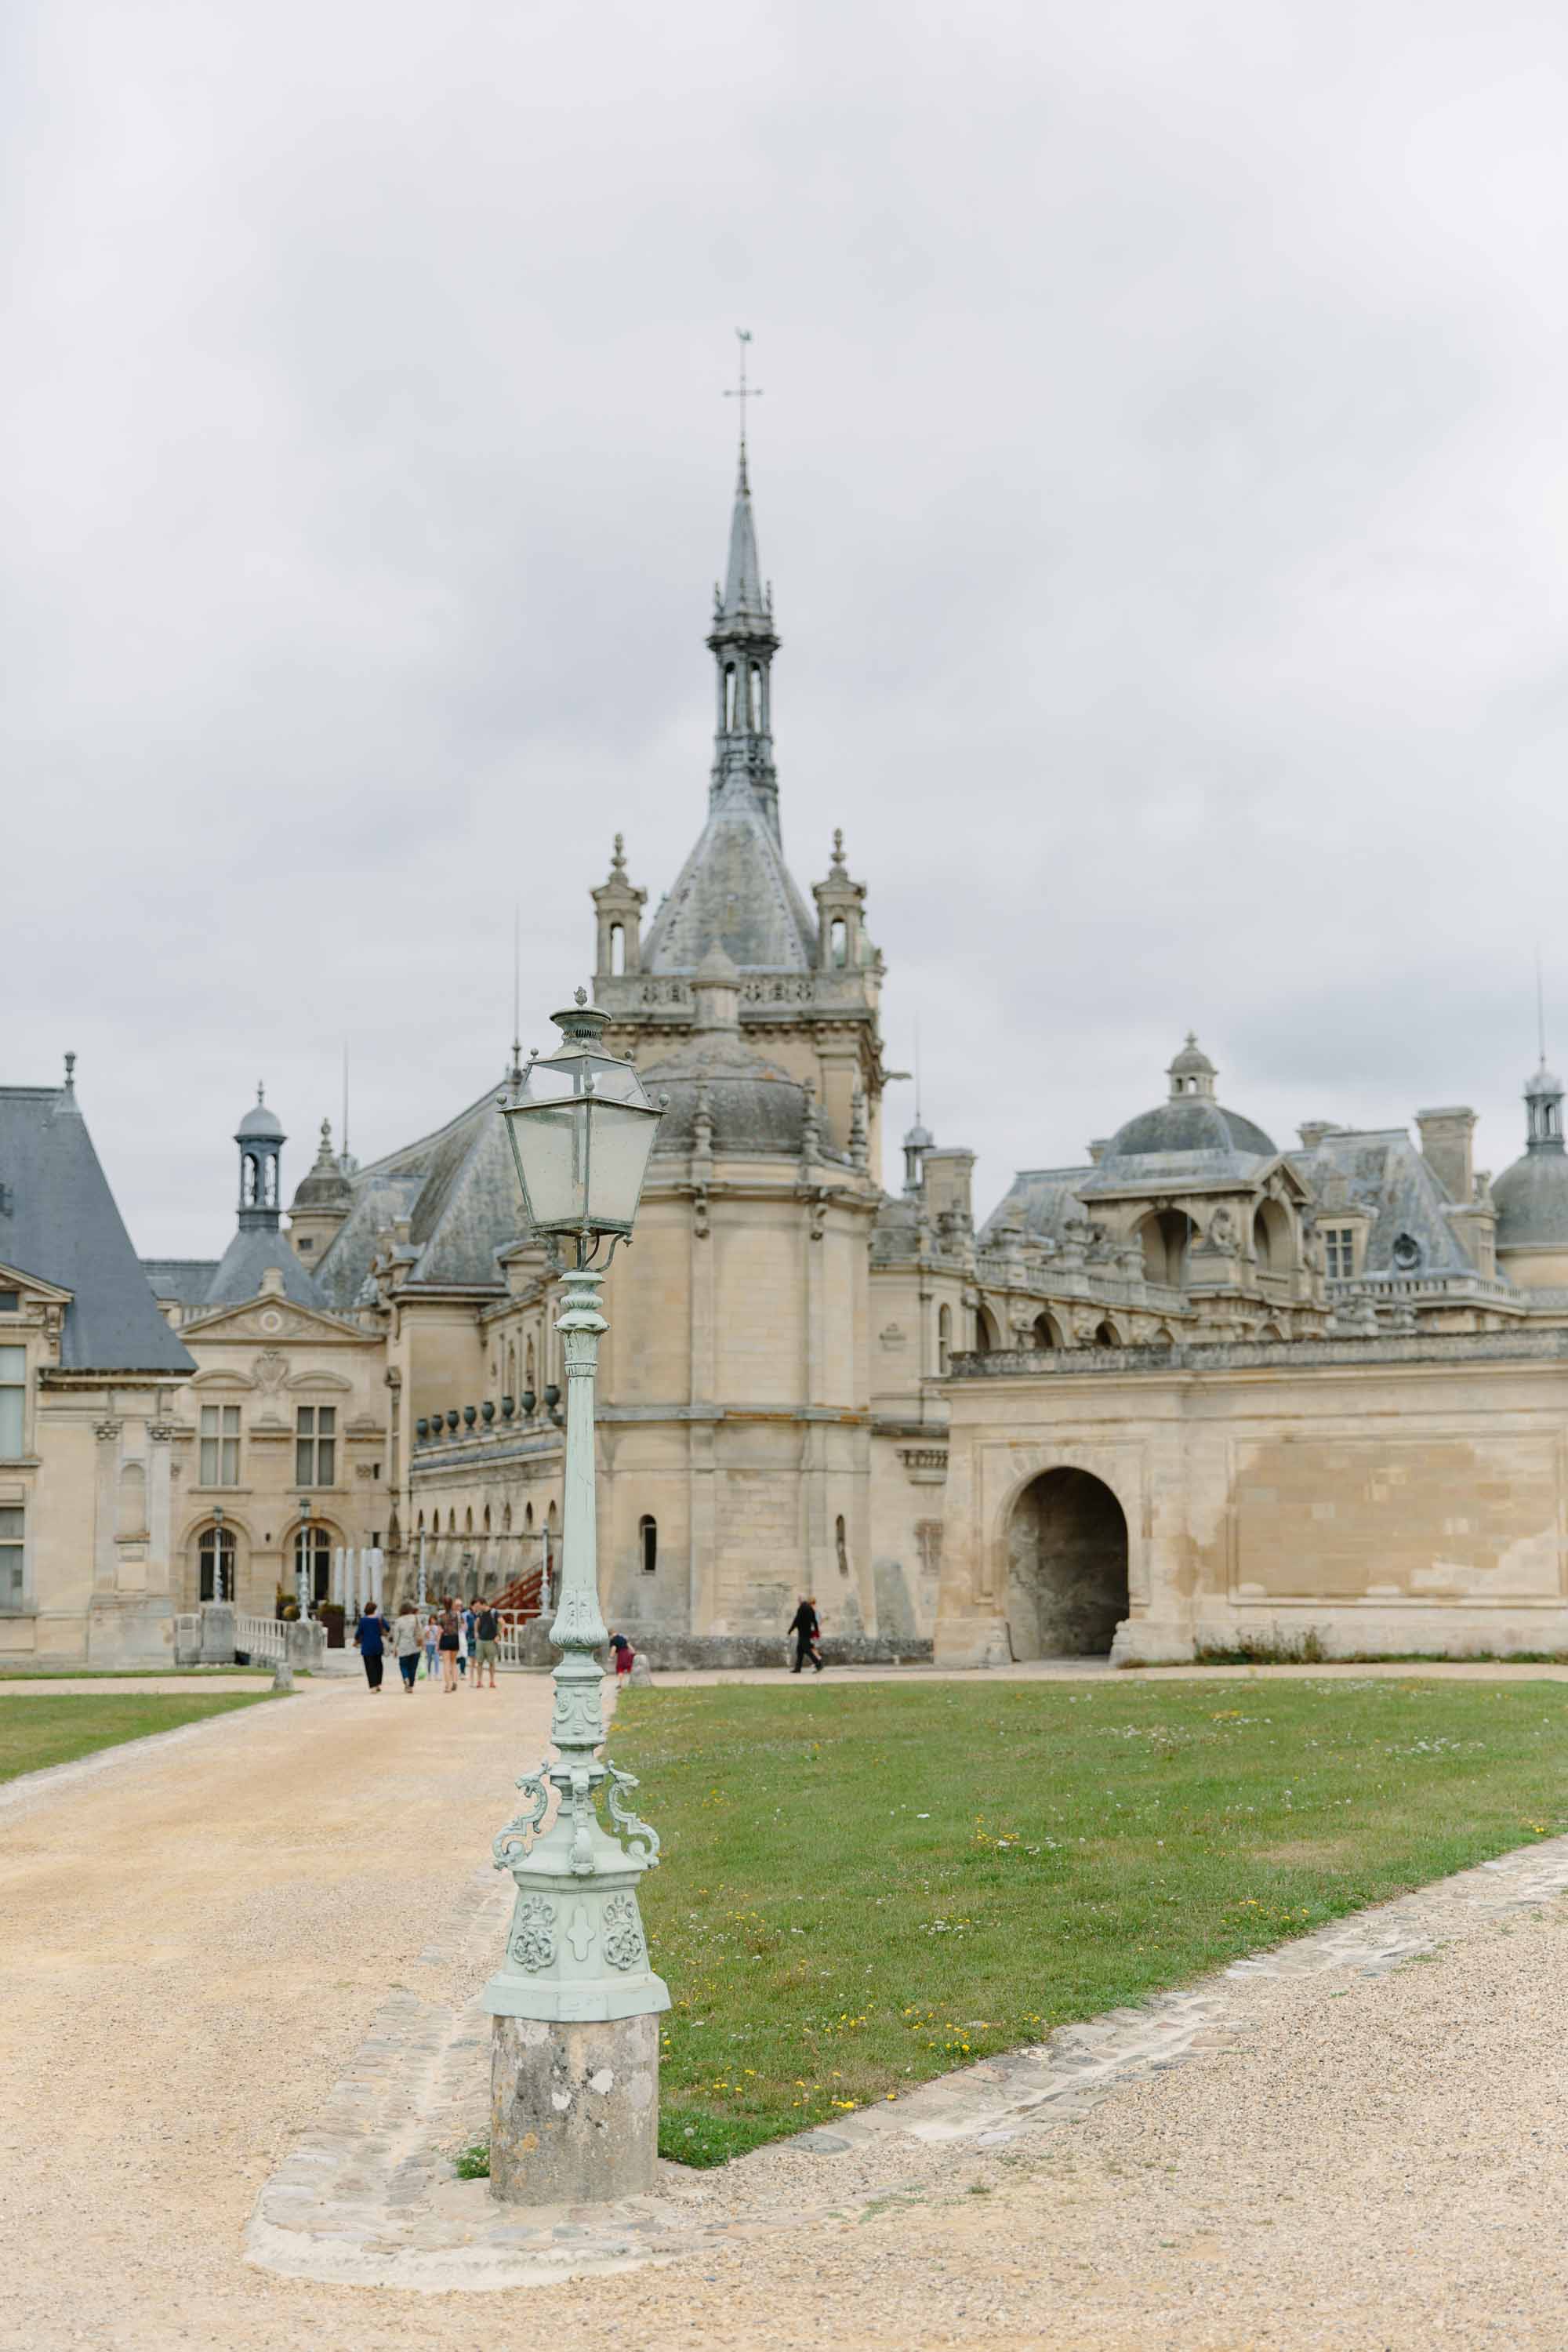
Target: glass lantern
[(581, 1133)]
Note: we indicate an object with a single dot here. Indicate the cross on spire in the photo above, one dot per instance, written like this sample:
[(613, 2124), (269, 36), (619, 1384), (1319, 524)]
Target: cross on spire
[(743, 391)]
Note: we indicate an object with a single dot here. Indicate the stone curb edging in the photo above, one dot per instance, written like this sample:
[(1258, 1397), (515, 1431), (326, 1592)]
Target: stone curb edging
[(366, 2197)]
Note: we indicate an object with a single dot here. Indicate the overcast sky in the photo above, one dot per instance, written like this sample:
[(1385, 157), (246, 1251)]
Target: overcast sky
[(1161, 470)]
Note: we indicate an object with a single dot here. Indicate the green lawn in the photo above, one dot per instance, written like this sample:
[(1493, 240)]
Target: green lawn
[(863, 1887), (38, 1731)]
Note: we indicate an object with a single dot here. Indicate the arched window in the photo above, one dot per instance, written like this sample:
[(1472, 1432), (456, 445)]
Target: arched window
[(551, 1517), (943, 1343), (529, 1383), (506, 1520), (215, 1553), (419, 1524), (617, 947), (985, 1338), (510, 1369), (248, 1188), (1166, 1239), (487, 1520), (528, 1518), (1046, 1333), (757, 707), (469, 1521), (314, 1553), (839, 940), (841, 1545), (647, 1538), (1107, 1335), (1271, 1237), (729, 697)]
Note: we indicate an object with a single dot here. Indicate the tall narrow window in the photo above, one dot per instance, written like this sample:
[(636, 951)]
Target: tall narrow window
[(215, 1553), (314, 1553), (1339, 1253), (839, 940), (315, 1444), (841, 1545), (729, 699), (13, 1402), (943, 1340), (13, 1580), (757, 697), (617, 947), (220, 1447), (647, 1536)]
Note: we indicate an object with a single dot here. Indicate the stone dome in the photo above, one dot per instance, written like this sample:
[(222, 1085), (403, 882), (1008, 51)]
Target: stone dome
[(1532, 1202), (326, 1186), (1196, 1123), (260, 1123), (1191, 1120), (753, 1107)]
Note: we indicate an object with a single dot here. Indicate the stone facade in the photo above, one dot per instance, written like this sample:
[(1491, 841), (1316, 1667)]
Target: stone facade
[(1194, 1385)]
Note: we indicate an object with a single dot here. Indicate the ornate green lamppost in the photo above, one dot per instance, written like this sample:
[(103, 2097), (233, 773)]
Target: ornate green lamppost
[(574, 2060)]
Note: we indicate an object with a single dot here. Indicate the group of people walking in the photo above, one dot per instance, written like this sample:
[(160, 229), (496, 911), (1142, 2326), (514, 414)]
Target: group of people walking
[(464, 1640)]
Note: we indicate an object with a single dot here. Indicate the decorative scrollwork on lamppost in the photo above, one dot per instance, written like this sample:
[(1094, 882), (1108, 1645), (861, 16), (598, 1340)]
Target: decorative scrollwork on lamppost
[(574, 2109)]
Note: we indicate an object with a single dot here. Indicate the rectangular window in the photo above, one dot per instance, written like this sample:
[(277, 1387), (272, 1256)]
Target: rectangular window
[(10, 1302), (13, 1402), (1339, 1245), (12, 1588), (315, 1444), (220, 1445)]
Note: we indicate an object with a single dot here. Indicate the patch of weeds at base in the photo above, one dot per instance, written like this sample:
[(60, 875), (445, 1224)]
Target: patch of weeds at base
[(692, 2136), (474, 2163)]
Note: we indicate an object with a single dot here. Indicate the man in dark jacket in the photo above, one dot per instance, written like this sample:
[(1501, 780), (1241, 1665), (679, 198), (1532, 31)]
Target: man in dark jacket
[(369, 1635), (807, 1630)]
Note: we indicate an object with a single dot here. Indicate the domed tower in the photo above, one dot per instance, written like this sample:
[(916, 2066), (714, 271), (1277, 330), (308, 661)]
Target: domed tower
[(260, 1139), (321, 1201), (258, 1242), (1532, 1196), (735, 1380)]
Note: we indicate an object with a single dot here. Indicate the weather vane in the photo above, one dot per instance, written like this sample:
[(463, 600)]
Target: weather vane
[(743, 391)]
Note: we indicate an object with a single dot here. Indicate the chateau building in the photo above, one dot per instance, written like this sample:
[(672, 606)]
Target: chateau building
[(1196, 1389)]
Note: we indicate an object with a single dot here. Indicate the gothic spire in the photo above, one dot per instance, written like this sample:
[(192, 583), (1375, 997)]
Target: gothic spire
[(743, 642)]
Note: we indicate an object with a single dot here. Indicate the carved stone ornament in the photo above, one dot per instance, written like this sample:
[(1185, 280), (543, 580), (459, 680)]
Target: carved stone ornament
[(270, 1371), (623, 1933), (533, 1933)]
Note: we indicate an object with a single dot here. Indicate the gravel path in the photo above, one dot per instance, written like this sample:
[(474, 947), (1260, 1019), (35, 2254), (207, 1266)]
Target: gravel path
[(191, 1949)]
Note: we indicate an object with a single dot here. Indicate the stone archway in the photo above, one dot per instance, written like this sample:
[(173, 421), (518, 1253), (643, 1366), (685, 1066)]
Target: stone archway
[(1067, 1567)]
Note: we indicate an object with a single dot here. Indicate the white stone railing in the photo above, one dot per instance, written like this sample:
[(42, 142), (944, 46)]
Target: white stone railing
[(264, 1640)]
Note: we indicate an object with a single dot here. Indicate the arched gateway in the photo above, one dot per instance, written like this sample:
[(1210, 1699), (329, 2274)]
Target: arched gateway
[(1067, 1567)]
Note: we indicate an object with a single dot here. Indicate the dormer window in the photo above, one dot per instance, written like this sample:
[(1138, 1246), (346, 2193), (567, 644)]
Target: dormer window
[(1339, 1253), (1407, 1254)]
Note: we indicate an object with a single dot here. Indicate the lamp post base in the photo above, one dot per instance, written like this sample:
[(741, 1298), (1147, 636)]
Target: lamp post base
[(574, 2110)]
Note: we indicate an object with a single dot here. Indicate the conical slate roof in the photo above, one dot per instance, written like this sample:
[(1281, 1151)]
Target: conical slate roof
[(254, 1250), (736, 890), (61, 1223)]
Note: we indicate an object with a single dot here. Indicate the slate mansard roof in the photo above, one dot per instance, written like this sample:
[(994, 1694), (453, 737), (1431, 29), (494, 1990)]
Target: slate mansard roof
[(457, 1189), (1381, 1171), (61, 1223)]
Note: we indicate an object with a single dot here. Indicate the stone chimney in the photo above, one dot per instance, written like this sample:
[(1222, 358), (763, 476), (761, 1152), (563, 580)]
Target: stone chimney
[(1447, 1143), (1312, 1131), (945, 1178)]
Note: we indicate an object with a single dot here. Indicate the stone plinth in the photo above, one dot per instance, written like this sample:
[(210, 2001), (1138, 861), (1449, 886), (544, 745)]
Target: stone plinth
[(217, 1633), (574, 2110)]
